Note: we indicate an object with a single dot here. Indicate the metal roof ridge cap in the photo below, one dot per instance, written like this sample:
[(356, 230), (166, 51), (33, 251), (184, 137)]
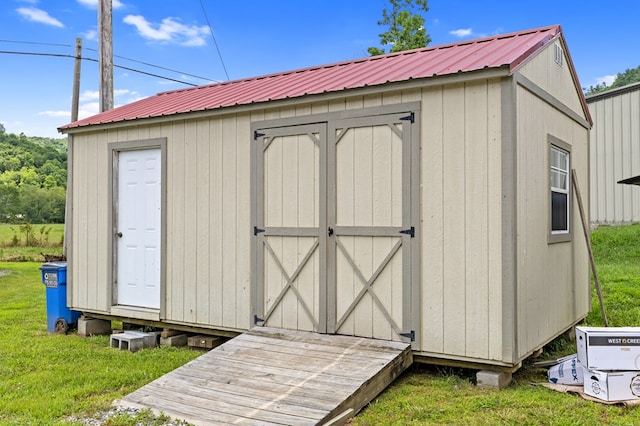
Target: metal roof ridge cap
[(535, 47)]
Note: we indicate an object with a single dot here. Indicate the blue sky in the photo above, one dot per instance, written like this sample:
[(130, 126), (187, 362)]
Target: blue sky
[(257, 37)]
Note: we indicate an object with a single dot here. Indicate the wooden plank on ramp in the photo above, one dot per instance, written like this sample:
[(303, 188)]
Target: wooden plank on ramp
[(270, 376)]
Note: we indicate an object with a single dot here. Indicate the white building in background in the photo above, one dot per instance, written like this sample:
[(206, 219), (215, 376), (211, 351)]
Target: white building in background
[(615, 155)]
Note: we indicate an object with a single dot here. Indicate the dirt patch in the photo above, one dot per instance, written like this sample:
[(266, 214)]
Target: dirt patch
[(4, 272)]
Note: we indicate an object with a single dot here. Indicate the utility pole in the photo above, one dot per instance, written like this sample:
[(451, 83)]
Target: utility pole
[(105, 48), (75, 98), (75, 101)]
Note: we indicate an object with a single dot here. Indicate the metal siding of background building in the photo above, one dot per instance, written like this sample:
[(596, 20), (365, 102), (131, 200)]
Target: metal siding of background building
[(615, 155)]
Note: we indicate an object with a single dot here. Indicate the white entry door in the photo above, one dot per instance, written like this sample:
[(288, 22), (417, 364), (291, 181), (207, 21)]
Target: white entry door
[(137, 228)]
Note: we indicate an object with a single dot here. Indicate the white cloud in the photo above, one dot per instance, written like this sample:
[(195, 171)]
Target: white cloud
[(90, 35), (90, 101), (169, 31), (462, 32), (38, 15), (55, 113), (88, 109), (89, 95), (116, 4), (607, 79), (130, 94)]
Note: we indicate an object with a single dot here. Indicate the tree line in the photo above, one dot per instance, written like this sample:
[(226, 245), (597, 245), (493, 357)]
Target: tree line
[(629, 76), (33, 178)]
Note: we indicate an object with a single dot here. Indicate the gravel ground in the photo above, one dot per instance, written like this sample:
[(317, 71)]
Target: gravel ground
[(100, 418)]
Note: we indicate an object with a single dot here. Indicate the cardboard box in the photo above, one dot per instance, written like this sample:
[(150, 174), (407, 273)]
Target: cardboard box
[(612, 385), (608, 348), (567, 372)]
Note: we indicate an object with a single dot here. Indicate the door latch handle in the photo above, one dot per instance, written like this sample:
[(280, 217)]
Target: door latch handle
[(330, 231), (119, 234)]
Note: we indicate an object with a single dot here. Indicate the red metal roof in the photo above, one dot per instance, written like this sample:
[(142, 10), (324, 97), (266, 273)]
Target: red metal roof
[(506, 50)]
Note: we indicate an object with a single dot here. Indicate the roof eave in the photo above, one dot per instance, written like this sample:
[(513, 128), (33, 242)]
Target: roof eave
[(439, 80)]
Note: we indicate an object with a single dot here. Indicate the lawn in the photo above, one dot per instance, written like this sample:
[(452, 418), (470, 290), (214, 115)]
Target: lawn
[(29, 242), (54, 379), (46, 378)]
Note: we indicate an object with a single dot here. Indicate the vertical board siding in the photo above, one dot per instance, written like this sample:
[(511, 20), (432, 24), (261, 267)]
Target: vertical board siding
[(90, 231), (209, 222), (190, 225), (461, 208), (495, 284), (476, 223), (615, 155), (552, 279), (454, 210), (175, 223), (432, 175), (203, 230)]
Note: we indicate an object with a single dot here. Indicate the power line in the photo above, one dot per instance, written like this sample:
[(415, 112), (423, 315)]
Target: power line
[(214, 40), (63, 55), (117, 56), (158, 66), (36, 43)]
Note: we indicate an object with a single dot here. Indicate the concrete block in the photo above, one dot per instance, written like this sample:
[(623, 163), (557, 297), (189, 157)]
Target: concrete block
[(179, 340), (93, 327), (133, 340), (493, 379)]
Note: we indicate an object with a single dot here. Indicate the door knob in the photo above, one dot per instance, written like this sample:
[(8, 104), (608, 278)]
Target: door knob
[(119, 234)]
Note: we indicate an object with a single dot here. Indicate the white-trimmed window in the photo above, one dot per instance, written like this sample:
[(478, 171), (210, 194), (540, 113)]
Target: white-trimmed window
[(560, 185)]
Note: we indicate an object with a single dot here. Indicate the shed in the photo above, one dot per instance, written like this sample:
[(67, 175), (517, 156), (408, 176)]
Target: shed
[(420, 196), (615, 154)]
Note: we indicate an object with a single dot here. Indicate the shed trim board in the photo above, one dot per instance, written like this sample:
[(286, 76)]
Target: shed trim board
[(68, 220), (509, 217), (154, 312), (550, 99), (324, 132)]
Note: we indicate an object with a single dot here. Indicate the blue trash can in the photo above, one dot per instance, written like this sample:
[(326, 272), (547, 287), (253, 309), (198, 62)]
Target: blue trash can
[(59, 316)]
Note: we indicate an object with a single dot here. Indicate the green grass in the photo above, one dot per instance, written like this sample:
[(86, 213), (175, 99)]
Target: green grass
[(47, 379), (27, 243)]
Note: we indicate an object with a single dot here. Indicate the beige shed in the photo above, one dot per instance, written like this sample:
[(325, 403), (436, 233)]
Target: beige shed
[(421, 196)]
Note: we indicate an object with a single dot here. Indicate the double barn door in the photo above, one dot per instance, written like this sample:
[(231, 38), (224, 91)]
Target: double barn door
[(334, 226)]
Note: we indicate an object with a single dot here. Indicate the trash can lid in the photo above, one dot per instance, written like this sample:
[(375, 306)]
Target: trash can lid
[(54, 265)]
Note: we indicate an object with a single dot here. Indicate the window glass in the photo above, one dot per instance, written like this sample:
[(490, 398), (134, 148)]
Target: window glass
[(559, 181)]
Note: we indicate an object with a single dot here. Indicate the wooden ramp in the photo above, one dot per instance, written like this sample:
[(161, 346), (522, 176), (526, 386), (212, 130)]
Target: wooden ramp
[(270, 376)]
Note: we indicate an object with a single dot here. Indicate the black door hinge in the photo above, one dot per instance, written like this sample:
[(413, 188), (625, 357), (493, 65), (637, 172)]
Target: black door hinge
[(410, 335), (257, 230), (257, 135), (411, 117), (411, 231), (256, 320)]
